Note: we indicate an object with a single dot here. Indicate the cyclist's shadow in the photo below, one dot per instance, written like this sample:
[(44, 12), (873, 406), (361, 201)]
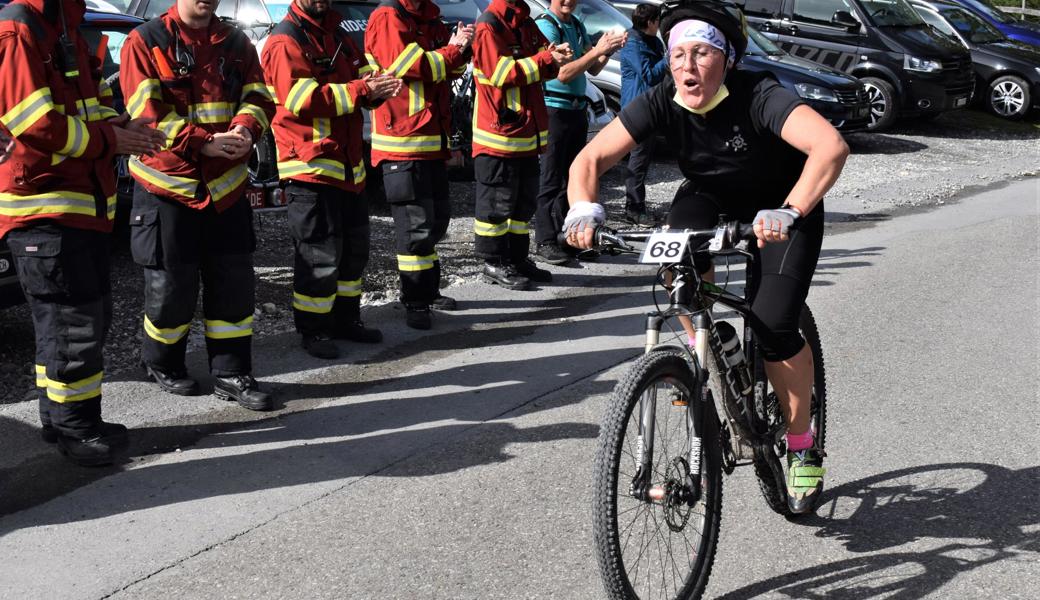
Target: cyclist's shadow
[(984, 513)]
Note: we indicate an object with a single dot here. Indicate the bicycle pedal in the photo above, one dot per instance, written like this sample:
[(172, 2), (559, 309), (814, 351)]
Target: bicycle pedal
[(678, 400)]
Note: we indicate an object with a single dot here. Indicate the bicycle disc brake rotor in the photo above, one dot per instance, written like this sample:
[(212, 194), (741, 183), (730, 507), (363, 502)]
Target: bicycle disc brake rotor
[(676, 509)]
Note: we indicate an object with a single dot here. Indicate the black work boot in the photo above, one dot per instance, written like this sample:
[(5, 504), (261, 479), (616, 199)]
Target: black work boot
[(244, 390), (349, 325), (528, 269), (552, 254), (320, 346), (444, 303), (114, 431), (94, 448), (174, 382), (417, 316), (505, 275)]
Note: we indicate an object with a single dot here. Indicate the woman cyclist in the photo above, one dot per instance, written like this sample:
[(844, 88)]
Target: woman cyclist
[(751, 150)]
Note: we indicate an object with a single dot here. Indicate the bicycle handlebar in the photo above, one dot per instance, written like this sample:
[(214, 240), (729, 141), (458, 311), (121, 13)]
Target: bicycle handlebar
[(607, 239)]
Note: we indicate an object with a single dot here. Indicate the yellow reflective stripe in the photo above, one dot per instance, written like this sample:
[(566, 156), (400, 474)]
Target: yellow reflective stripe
[(84, 389), (257, 88), (349, 289), (518, 227), (149, 89), (502, 69), (406, 144), (78, 138), (410, 262), (254, 111), (480, 77), (25, 114), (110, 207), (182, 186), (60, 202), (530, 69), (107, 113), (57, 159), (211, 112), (543, 138), (320, 129), (438, 66), (406, 59), (223, 330), (299, 94), (171, 125), (167, 335), (372, 62), (359, 173), (272, 93), (513, 99), (313, 304), (416, 97), (318, 166), (341, 96), (503, 143), (41, 376), (367, 68), (104, 90), (89, 109), (220, 187), (459, 70), (484, 229)]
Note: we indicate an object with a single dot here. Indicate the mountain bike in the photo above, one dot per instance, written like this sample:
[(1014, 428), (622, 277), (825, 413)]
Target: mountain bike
[(680, 417)]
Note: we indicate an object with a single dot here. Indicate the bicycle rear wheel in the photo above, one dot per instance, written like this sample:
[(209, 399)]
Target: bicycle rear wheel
[(768, 465), (665, 548)]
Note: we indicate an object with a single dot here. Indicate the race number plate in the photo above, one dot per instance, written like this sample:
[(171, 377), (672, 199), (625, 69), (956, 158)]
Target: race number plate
[(664, 247)]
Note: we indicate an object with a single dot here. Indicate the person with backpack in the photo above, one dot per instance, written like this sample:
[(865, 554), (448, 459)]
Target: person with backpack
[(321, 80), (200, 79), (568, 120), (511, 58), (407, 39)]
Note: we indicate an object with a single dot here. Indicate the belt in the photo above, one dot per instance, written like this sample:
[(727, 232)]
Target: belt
[(576, 101)]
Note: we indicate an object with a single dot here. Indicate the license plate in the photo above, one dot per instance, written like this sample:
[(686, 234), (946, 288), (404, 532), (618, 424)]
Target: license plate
[(959, 102), (255, 197), (664, 248)]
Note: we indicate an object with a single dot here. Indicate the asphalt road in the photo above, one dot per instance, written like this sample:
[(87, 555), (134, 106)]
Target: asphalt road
[(456, 464)]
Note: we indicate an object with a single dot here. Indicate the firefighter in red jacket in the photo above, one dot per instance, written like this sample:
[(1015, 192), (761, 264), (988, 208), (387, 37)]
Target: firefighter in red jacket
[(407, 39), (200, 80), (57, 203), (511, 58), (320, 81)]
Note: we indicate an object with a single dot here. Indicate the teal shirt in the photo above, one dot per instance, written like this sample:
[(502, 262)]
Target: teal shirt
[(574, 33)]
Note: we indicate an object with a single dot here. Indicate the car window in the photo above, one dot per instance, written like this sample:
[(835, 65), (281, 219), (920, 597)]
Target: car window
[(112, 6), (819, 12), (991, 11), (249, 11), (971, 26), (467, 11), (760, 44), (599, 17), (155, 8), (116, 37), (939, 23), (891, 13)]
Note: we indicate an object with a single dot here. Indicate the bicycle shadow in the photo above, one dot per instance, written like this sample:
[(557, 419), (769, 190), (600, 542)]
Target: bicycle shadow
[(981, 513)]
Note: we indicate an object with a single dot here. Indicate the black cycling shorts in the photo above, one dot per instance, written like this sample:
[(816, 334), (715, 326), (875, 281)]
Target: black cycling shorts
[(783, 270)]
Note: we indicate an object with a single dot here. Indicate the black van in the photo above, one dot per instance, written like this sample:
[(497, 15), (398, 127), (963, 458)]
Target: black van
[(907, 68)]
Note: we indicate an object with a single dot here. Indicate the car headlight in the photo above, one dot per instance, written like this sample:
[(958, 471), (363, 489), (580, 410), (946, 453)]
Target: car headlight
[(1037, 69), (924, 65), (815, 92)]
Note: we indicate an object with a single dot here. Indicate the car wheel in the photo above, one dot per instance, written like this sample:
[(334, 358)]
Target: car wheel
[(882, 97), (1008, 97)]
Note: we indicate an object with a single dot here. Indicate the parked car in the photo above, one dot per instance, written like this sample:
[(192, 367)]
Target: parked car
[(1007, 72), (251, 15), (10, 289), (840, 98), (1016, 29), (907, 67)]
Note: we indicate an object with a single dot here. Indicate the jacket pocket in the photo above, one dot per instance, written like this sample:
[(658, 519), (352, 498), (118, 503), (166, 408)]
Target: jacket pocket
[(400, 180), (145, 241)]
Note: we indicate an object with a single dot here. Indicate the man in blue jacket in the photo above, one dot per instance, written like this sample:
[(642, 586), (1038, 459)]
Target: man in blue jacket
[(643, 65)]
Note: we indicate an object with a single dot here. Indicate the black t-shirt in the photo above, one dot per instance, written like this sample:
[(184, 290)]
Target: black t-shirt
[(734, 151)]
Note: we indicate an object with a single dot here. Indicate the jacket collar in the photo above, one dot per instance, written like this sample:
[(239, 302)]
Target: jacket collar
[(74, 11), (510, 15), (328, 23), (424, 9)]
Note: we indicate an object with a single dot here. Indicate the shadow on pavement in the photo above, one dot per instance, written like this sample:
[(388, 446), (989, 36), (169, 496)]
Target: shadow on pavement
[(980, 513)]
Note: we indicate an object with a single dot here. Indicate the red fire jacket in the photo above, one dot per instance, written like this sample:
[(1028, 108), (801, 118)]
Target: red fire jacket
[(510, 61), (318, 123), (206, 81), (408, 39), (61, 167)]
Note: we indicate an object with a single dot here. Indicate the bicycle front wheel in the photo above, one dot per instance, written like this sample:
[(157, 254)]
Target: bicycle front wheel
[(657, 544)]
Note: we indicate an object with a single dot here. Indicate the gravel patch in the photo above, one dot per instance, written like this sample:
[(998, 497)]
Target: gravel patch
[(917, 166)]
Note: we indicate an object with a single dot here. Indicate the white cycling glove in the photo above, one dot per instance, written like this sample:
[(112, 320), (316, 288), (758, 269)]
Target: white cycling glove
[(777, 220), (584, 214)]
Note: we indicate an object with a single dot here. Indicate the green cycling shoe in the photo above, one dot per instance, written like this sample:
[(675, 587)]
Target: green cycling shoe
[(804, 479)]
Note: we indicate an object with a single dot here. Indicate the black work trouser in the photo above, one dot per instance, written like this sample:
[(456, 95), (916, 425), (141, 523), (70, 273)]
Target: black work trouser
[(417, 192), (506, 192), (177, 246), (568, 130), (64, 274), (330, 234), (635, 176)]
